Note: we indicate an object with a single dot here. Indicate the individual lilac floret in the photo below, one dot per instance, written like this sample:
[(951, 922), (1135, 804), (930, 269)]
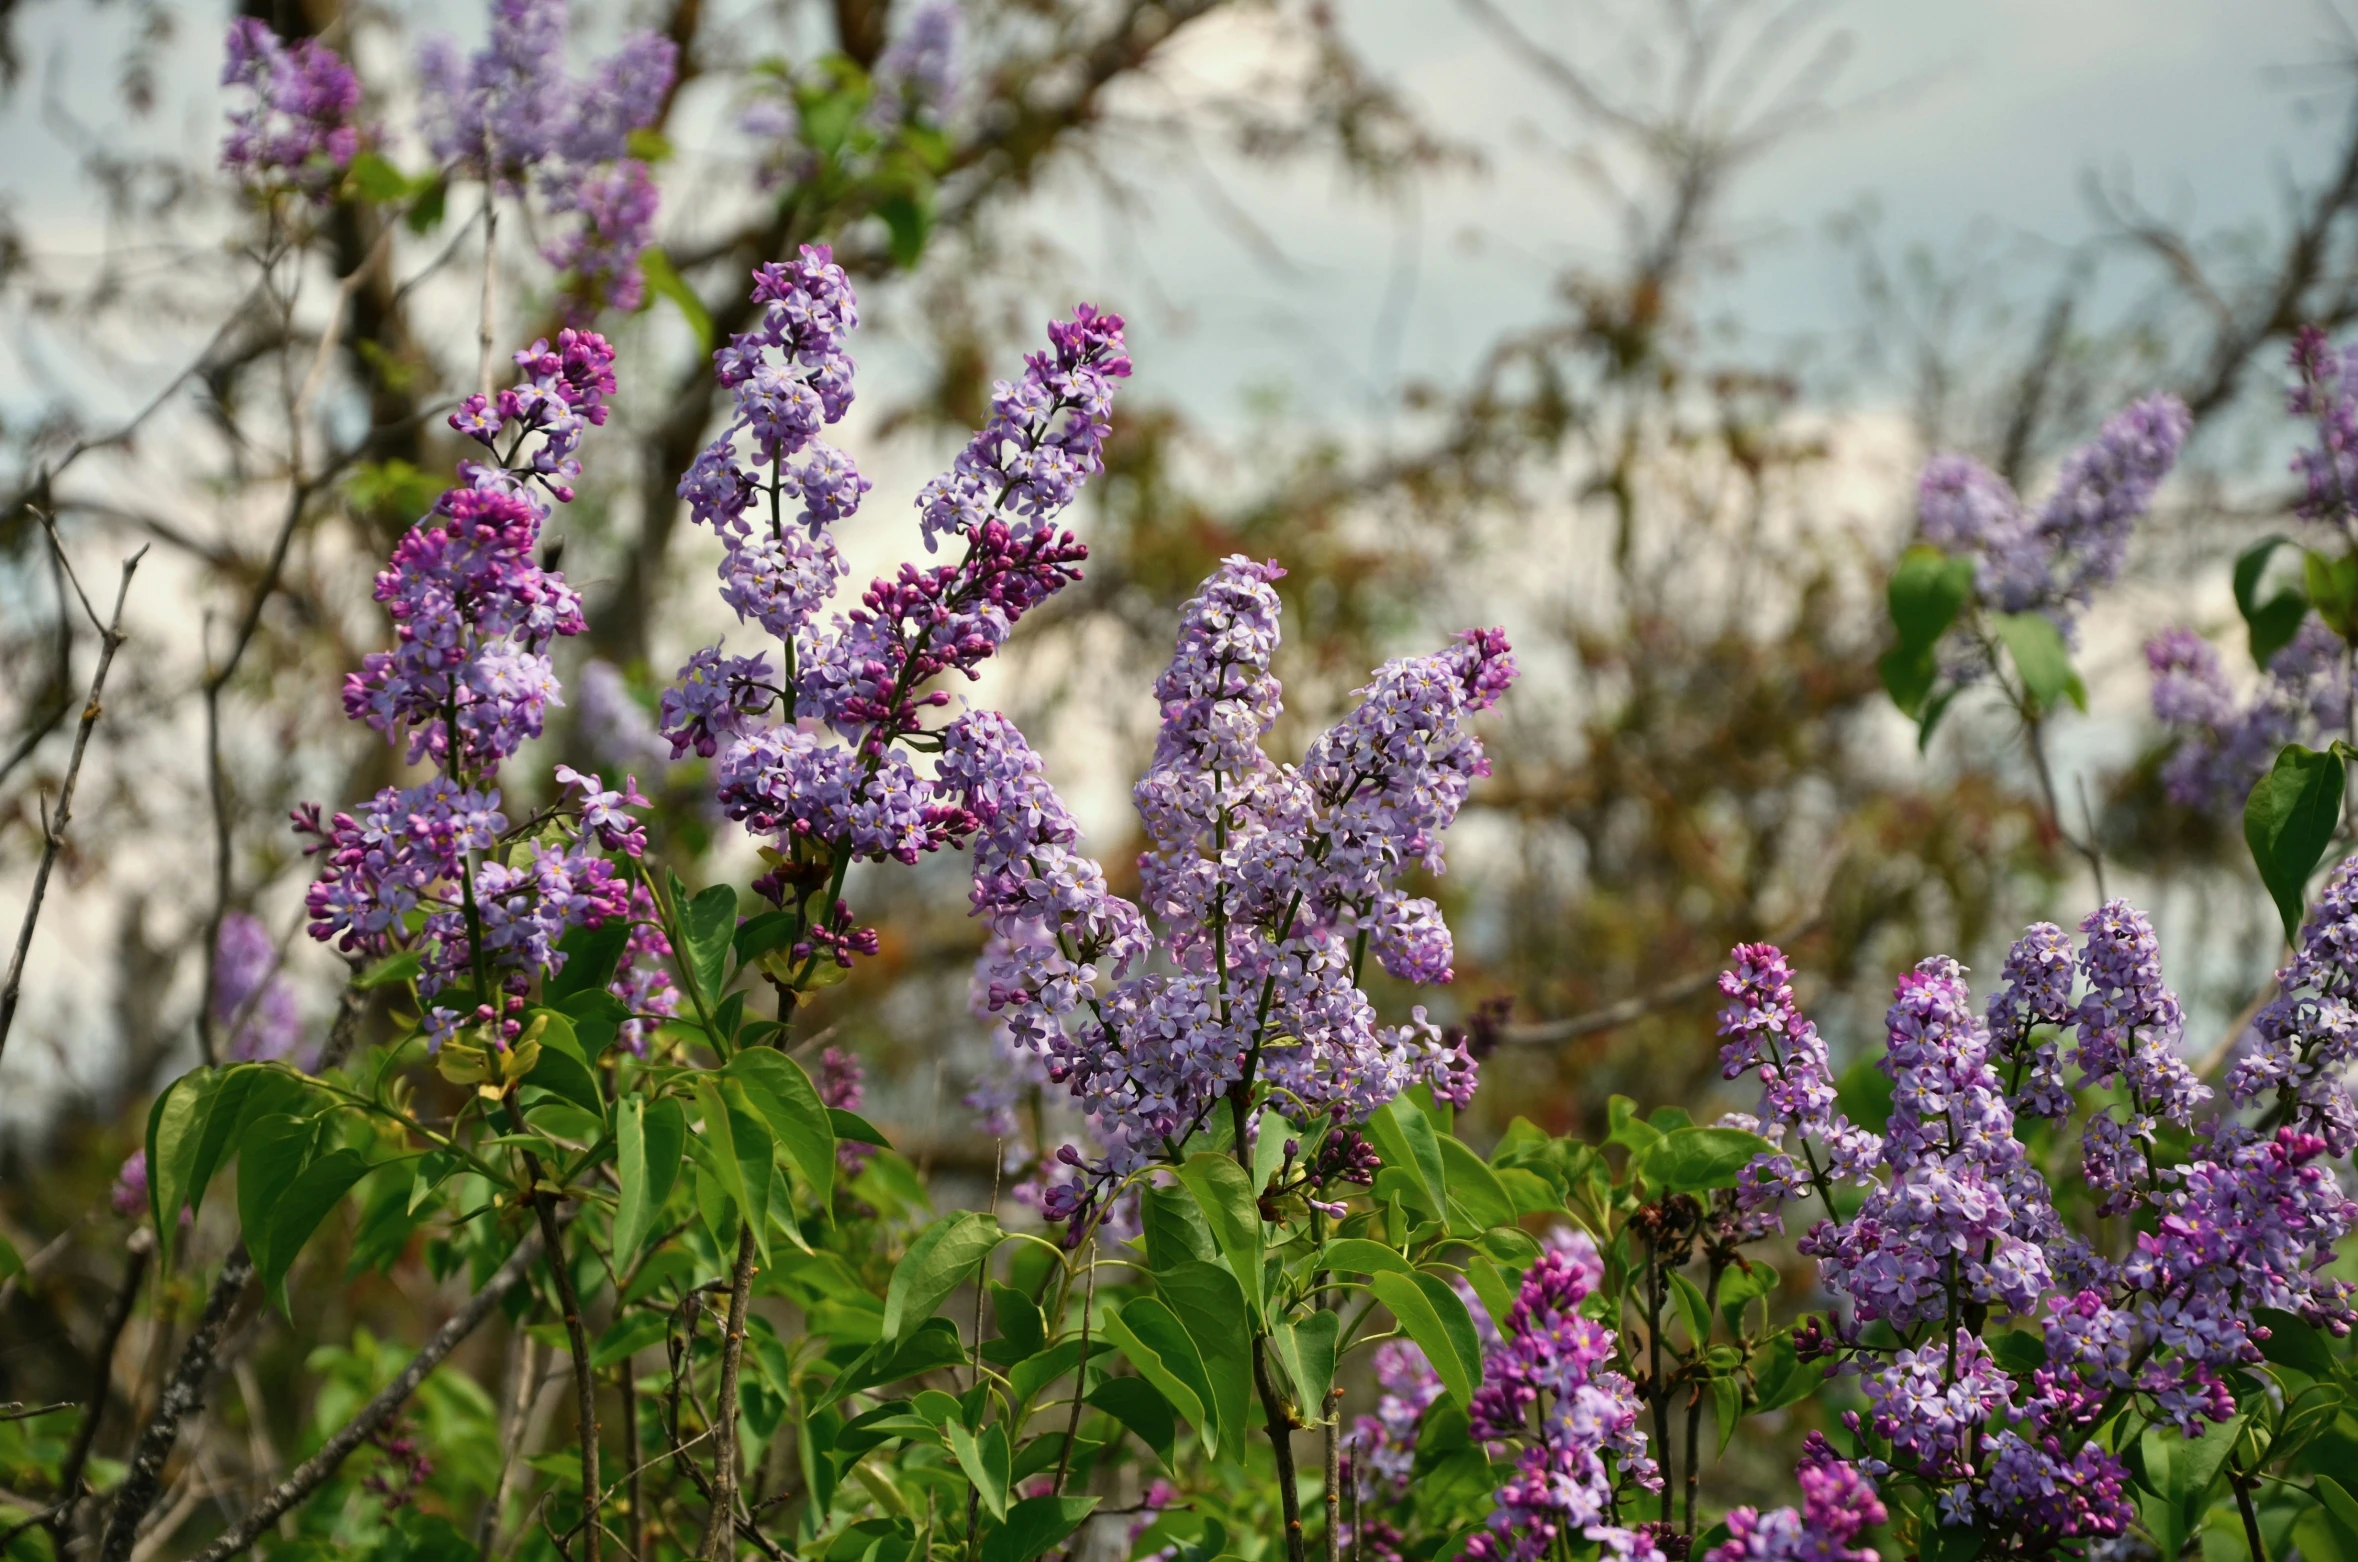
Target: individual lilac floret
[(2223, 747), (1838, 1502), (1548, 1388), (253, 1002), (2129, 1027), (917, 75), (129, 1196), (1045, 437), (2306, 1041), (297, 133)]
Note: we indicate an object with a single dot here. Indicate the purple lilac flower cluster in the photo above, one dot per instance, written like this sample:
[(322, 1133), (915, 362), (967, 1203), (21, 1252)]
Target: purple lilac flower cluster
[(1838, 1502), (297, 133), (916, 76), (1765, 1031), (2304, 1043), (1962, 1228), (253, 1002), (1547, 1388), (2224, 745), (512, 116), (1267, 885), (2055, 559), (433, 867), (2325, 391)]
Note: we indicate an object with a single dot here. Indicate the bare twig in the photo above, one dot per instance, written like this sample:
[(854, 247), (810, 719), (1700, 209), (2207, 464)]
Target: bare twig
[(720, 1528), (110, 638), (110, 1333), (314, 1471), (585, 1381), (184, 1394)]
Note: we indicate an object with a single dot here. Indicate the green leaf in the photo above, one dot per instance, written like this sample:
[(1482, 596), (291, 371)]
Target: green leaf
[(377, 179), (1692, 1160), (985, 1461), (1944, 1543), (759, 935), (425, 213), (561, 1067), (1434, 1317), (1175, 1229), (1927, 591), (1693, 1311), (1739, 1287), (936, 1264), (631, 1333), (664, 281), (1023, 1333), (1357, 1255), (2288, 821), (2336, 1500), (2323, 1538), (2040, 658), (784, 1095), (395, 968), (1225, 1194), (296, 1213), (707, 924), (1498, 1297), (1035, 1524), (907, 221), (592, 954), (1782, 1378), (1210, 1306), (175, 1128), (12, 1263), (1474, 1187), (648, 146), (2273, 623), (1624, 1127), (1908, 677), (740, 1146), (2332, 585), (934, 1346), (270, 1155), (227, 1104), (852, 1128), (1150, 1335), (2295, 1342), (1149, 1416), (1307, 1350), (597, 1017), (634, 1216), (1404, 1137)]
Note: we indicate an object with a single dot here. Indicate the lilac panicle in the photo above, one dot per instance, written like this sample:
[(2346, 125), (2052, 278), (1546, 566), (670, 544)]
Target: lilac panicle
[(614, 208), (2223, 747), (2036, 996), (1765, 1031), (1838, 1502), (297, 132), (2129, 1027), (917, 75), (510, 113), (1550, 1370), (253, 1002), (2304, 1043), (430, 868), (2325, 391)]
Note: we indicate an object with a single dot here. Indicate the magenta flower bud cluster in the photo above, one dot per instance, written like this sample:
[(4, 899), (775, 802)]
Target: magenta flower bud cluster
[(1838, 1502), (297, 131), (2052, 560), (1958, 1225)]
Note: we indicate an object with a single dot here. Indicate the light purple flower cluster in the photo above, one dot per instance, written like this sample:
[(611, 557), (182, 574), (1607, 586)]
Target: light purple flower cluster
[(917, 75), (2224, 745), (297, 133), (2325, 391), (2129, 1028), (2053, 561), (642, 977), (1964, 1228), (843, 1084), (1547, 1388), (433, 868), (253, 1002), (512, 116), (1384, 1444), (1267, 885), (2305, 1042), (1765, 1030), (789, 377), (1838, 1502)]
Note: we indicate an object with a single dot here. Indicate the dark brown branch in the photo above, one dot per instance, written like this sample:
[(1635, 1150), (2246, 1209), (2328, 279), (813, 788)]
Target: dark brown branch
[(585, 1381), (719, 1542), (184, 1395), (110, 639), (110, 1334), (314, 1471)]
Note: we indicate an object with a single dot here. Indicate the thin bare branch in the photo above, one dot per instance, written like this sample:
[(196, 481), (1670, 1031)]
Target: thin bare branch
[(183, 1396), (110, 639)]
